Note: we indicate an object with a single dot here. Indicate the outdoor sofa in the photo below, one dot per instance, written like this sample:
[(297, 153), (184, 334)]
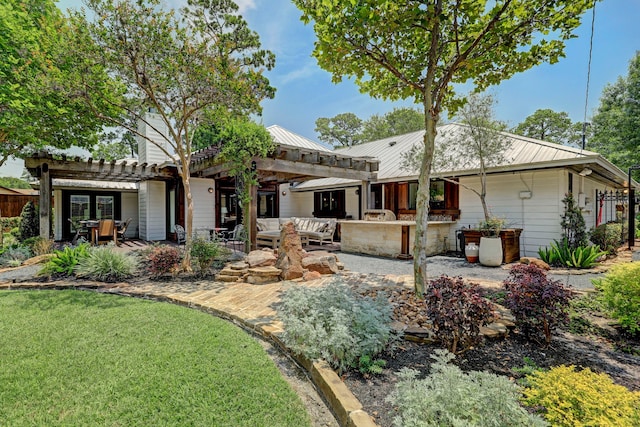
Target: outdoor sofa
[(320, 230)]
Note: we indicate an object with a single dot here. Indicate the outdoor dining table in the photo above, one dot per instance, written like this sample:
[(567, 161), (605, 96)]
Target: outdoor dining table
[(93, 225)]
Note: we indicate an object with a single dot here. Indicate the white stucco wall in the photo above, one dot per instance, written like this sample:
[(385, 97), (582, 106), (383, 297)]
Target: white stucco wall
[(152, 210), (295, 203), (147, 151)]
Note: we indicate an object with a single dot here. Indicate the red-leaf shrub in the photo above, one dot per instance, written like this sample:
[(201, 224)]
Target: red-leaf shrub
[(538, 303), (456, 311), (163, 259)]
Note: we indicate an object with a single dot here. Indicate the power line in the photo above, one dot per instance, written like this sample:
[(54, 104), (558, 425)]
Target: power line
[(586, 98)]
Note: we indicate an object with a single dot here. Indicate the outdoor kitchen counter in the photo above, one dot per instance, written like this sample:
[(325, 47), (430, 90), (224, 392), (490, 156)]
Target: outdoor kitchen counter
[(392, 238)]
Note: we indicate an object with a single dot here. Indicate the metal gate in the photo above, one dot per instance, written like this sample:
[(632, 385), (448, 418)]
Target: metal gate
[(612, 206)]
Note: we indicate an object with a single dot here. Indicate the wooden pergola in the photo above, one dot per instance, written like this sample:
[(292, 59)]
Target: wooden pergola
[(285, 164)]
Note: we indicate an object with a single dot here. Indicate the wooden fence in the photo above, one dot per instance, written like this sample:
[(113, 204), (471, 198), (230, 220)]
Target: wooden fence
[(12, 204)]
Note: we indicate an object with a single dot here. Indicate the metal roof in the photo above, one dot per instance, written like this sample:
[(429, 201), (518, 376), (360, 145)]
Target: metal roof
[(284, 136), (523, 153)]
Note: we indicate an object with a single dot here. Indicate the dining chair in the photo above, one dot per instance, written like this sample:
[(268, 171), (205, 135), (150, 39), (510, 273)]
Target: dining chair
[(122, 230), (107, 231), (181, 235)]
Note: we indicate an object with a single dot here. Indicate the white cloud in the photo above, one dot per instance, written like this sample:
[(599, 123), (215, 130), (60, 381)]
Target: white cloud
[(244, 5)]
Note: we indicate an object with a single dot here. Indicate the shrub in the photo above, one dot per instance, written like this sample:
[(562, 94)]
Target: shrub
[(64, 261), (39, 245), (163, 259), (538, 304), (607, 236), (204, 253), (14, 255), (560, 254), (29, 222), (456, 311), (335, 324), (573, 227), (620, 290), (106, 265), (8, 223), (581, 398), (451, 397)]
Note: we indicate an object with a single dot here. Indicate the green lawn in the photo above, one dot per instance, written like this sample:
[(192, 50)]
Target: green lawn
[(81, 358)]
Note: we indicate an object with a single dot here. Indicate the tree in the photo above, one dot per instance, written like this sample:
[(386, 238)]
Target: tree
[(397, 122), (12, 182), (115, 145), (181, 65), (34, 110), (481, 144), (417, 49), (547, 125), (342, 130), (617, 120)]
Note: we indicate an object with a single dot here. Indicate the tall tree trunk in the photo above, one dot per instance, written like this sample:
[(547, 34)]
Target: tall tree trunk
[(186, 260), (422, 200)]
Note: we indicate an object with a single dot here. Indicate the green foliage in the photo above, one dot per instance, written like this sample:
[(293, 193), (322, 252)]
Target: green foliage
[(13, 182), (36, 111), (13, 256), (561, 255), (342, 130), (369, 365), (491, 226), (570, 398), (607, 236), (64, 261), (204, 253), (399, 50), (456, 311), (29, 222), (538, 304), (548, 125), (449, 397), (615, 123), (581, 309), (163, 259), (39, 245), (184, 64), (399, 121), (573, 228), (620, 290), (528, 368), (335, 324), (106, 265), (9, 223)]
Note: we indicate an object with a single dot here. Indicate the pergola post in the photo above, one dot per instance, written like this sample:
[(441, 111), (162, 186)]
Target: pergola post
[(632, 209), (45, 201), (253, 214)]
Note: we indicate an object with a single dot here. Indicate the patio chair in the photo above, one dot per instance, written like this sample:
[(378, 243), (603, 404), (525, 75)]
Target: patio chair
[(107, 231), (122, 230), (181, 235), (238, 235)]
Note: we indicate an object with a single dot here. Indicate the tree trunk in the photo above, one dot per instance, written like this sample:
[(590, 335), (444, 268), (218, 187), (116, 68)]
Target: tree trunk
[(422, 201), (188, 226)]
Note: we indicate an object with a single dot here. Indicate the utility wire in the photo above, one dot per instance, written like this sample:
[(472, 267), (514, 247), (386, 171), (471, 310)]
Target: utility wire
[(586, 98)]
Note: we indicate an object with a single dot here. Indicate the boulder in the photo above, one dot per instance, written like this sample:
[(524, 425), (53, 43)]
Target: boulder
[(263, 275), (290, 253), (311, 275), (535, 261), (323, 264), (260, 259)]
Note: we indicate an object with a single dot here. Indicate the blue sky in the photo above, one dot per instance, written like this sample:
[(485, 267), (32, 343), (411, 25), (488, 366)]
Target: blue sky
[(305, 92)]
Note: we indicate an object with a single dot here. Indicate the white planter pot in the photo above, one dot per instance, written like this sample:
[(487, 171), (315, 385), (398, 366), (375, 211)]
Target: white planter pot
[(491, 251), (471, 252)]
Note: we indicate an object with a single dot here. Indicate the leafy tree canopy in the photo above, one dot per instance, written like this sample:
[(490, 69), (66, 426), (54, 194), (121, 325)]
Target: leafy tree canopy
[(548, 125), (35, 111), (13, 182), (181, 66), (616, 122), (419, 49), (347, 129)]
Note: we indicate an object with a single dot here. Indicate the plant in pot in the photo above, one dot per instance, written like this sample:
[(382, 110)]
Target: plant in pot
[(490, 253)]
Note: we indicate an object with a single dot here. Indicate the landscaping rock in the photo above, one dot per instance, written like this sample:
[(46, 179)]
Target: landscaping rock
[(535, 261), (263, 275), (311, 275), (322, 264), (260, 258), (290, 253)]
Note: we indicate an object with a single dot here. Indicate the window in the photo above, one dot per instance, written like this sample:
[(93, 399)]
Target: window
[(329, 204), (413, 194), (104, 207), (436, 194), (79, 205)]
